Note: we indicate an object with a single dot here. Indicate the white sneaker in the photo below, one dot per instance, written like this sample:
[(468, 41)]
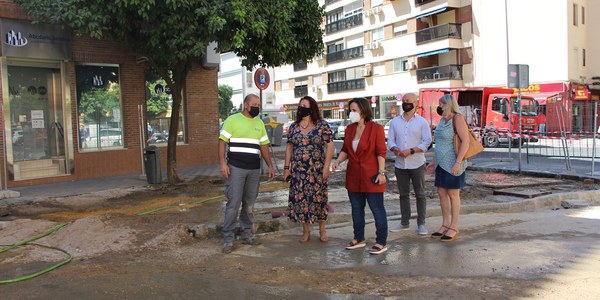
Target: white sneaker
[(399, 227), (422, 230)]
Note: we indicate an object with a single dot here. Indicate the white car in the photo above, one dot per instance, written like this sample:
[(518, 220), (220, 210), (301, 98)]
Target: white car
[(111, 137)]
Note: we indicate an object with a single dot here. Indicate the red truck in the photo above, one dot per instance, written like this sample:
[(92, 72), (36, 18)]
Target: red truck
[(492, 112)]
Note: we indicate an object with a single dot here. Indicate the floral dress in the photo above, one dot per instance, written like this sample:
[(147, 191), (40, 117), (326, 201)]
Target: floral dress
[(308, 190)]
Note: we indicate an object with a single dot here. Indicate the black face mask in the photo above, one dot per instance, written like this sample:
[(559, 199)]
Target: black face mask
[(440, 111), (254, 111), (303, 111), (406, 107)]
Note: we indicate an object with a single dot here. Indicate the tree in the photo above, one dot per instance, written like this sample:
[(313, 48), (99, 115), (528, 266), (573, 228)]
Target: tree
[(172, 34), (225, 104)]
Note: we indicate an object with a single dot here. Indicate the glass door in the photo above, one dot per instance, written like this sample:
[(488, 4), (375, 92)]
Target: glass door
[(36, 122)]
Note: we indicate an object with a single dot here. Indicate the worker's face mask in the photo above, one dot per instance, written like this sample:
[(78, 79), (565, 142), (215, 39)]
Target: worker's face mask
[(440, 110), (254, 111), (303, 111), (406, 107)]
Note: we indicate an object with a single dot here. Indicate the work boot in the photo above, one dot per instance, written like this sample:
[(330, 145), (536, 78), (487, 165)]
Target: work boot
[(227, 248), (251, 241)]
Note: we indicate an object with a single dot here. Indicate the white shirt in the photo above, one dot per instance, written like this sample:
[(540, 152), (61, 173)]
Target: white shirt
[(405, 134)]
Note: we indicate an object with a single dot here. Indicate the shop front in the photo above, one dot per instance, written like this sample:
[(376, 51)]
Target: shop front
[(35, 93), (74, 108)]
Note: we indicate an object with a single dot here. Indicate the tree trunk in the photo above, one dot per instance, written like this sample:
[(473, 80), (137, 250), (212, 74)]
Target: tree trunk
[(177, 92)]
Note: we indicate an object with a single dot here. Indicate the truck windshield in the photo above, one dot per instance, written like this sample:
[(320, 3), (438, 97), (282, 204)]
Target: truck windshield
[(529, 106)]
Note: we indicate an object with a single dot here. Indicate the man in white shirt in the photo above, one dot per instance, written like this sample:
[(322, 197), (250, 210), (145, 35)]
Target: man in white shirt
[(409, 137)]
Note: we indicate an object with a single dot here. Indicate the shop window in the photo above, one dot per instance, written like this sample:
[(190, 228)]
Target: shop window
[(99, 107), (158, 112)]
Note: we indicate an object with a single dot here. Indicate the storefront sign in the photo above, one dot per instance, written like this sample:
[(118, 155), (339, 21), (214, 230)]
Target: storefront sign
[(580, 92), (45, 41)]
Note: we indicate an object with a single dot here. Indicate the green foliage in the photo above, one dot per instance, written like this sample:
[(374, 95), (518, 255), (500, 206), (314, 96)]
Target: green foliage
[(225, 104), (156, 104), (98, 103)]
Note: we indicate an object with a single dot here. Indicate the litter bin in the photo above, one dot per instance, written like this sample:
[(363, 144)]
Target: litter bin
[(152, 164), (274, 131)]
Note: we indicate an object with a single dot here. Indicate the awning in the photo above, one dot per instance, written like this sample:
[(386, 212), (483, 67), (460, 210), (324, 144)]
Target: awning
[(433, 52), (433, 12)]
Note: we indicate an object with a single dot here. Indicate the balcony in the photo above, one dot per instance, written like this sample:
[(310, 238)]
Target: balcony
[(300, 66), (345, 23), (444, 31), (447, 72), (347, 85), (301, 91), (421, 2), (345, 54)]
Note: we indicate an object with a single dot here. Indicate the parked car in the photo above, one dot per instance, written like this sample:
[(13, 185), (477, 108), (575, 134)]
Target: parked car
[(334, 124), (341, 131), (108, 138), (386, 128)]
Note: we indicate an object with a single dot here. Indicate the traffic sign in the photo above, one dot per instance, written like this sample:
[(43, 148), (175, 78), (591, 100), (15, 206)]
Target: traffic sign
[(262, 78)]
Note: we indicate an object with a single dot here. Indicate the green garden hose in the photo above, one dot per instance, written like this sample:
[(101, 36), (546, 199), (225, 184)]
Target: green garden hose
[(29, 242)]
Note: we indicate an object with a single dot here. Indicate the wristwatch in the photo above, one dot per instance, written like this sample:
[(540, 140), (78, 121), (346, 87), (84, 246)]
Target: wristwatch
[(412, 151)]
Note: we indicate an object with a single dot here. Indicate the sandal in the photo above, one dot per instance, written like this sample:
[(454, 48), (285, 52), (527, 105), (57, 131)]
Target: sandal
[(437, 234), (323, 236), (378, 249), (447, 238), (305, 238), (355, 244)]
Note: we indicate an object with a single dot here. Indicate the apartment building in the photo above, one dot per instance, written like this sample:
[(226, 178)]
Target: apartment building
[(241, 80), (381, 49)]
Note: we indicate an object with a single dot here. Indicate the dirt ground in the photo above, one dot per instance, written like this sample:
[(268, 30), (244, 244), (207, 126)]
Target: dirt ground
[(117, 237)]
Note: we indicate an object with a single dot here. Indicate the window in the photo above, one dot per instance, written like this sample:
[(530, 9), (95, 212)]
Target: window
[(583, 56), (400, 64), (575, 14), (497, 104), (582, 15), (400, 29), (377, 34), (159, 105), (99, 106), (375, 3)]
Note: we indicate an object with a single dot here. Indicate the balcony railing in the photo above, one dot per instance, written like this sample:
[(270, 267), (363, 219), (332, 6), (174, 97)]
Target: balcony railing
[(421, 2), (345, 23), (330, 1), (300, 91), (299, 66), (348, 85), (447, 72), (345, 54), (444, 31)]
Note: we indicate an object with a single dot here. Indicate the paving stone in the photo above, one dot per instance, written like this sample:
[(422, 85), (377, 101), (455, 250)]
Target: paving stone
[(573, 203)]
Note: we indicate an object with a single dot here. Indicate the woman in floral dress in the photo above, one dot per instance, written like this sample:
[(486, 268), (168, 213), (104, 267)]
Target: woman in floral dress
[(307, 158)]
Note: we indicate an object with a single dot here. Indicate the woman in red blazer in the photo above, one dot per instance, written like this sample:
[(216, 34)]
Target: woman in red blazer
[(364, 147)]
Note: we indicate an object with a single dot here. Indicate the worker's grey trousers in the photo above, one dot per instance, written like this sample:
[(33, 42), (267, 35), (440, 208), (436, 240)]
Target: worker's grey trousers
[(241, 188)]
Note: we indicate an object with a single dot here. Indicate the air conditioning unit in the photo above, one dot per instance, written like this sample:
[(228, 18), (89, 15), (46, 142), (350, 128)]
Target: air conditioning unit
[(375, 45), (316, 89), (411, 65), (366, 71), (320, 57), (377, 10), (368, 46), (367, 13)]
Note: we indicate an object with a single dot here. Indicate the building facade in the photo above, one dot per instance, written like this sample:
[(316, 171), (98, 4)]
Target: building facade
[(75, 107), (241, 80), (381, 49)]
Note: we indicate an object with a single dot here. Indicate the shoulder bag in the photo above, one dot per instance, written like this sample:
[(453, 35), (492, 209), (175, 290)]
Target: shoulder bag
[(474, 145)]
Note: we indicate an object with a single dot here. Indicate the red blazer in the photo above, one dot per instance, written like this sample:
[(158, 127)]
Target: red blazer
[(363, 164)]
